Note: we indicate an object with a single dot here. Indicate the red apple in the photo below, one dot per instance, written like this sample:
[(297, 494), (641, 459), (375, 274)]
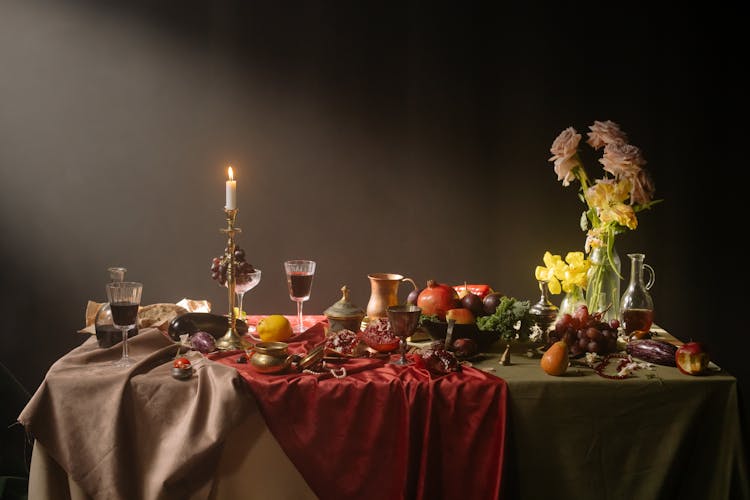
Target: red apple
[(462, 316), (692, 358)]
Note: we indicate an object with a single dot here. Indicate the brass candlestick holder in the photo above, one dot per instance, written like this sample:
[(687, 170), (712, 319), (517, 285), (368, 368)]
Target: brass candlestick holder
[(231, 340)]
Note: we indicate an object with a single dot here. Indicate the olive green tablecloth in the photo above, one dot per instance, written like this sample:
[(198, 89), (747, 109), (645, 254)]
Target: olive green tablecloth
[(657, 435)]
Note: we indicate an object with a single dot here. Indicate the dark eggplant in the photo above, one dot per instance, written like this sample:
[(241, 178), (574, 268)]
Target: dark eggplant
[(192, 322), (652, 351)]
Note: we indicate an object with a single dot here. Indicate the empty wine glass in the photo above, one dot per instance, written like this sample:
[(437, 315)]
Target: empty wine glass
[(403, 319), (299, 278), (244, 283), (124, 299)]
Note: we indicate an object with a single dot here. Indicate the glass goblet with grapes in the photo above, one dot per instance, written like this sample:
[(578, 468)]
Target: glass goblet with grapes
[(246, 277)]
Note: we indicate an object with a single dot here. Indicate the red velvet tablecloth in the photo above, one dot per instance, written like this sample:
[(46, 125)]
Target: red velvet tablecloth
[(385, 431)]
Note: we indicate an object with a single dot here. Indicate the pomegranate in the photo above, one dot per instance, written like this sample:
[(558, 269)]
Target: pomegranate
[(344, 343), (378, 335), (438, 361), (437, 299)]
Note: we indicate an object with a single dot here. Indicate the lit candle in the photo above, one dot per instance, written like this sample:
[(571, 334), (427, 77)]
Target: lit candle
[(231, 191)]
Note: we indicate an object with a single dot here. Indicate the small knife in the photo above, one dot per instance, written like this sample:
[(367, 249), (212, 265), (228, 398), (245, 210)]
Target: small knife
[(449, 334)]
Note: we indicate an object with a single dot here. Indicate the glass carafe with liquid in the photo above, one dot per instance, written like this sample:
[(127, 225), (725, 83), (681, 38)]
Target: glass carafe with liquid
[(636, 305), (107, 334)]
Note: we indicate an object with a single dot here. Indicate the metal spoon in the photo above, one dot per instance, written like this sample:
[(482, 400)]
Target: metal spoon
[(449, 334)]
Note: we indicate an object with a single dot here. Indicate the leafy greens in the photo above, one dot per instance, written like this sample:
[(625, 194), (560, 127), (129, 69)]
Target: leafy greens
[(511, 319)]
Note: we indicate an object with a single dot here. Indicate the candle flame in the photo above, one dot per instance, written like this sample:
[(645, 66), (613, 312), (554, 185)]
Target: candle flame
[(230, 173)]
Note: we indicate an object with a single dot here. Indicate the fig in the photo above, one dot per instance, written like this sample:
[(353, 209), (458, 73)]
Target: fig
[(411, 299), (473, 303), (465, 348), (491, 301)]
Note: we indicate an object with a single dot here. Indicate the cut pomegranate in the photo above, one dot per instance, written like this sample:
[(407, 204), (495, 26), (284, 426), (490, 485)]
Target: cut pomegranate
[(344, 343), (379, 336)]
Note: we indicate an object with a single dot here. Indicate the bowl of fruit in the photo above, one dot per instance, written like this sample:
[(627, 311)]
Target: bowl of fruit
[(438, 330), (468, 306), (480, 314)]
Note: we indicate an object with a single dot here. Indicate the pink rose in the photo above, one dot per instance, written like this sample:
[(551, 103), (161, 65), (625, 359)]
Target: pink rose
[(603, 133), (564, 153), (622, 160), (642, 190)]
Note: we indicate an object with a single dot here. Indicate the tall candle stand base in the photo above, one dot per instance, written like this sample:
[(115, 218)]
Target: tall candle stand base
[(231, 340)]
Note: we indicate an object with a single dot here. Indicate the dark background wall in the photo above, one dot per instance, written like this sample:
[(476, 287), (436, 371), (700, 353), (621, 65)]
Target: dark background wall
[(371, 137)]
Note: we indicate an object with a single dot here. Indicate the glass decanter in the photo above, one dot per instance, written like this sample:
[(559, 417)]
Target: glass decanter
[(636, 305), (107, 334)]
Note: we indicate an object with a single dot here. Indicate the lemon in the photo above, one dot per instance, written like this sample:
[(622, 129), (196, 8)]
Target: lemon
[(274, 328)]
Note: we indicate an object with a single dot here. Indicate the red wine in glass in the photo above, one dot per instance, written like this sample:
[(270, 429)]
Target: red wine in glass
[(299, 278), (124, 313), (637, 320), (124, 298), (300, 285)]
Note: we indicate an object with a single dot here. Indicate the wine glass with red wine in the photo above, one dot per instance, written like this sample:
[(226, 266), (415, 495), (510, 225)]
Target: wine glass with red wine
[(299, 278), (124, 299)]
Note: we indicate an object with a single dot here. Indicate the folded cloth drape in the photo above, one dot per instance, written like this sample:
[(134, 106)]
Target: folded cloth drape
[(137, 432), (386, 431)]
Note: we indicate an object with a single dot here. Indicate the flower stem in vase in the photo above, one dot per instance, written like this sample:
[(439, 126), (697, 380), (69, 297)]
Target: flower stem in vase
[(603, 290), (572, 300)]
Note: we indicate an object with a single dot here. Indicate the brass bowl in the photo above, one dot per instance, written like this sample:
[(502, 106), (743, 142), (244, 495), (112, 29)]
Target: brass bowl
[(269, 357)]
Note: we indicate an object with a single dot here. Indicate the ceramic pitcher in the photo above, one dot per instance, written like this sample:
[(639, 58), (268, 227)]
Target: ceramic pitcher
[(384, 293)]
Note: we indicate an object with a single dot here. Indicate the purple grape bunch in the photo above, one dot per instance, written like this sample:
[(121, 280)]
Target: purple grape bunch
[(242, 268), (584, 332)]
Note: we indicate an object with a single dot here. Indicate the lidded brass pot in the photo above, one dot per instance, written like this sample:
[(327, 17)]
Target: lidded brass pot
[(343, 314)]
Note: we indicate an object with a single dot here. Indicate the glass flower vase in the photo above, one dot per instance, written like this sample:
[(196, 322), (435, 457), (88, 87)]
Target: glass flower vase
[(603, 289), (572, 300)]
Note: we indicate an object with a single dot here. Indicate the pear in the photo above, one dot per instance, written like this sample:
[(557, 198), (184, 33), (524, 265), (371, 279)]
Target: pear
[(555, 359)]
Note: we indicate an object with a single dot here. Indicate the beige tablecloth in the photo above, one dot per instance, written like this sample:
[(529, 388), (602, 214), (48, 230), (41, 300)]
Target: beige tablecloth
[(136, 432), (252, 465)]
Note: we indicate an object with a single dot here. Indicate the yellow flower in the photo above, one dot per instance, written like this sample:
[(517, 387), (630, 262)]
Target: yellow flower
[(563, 275), (555, 267), (575, 271), (608, 198)]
